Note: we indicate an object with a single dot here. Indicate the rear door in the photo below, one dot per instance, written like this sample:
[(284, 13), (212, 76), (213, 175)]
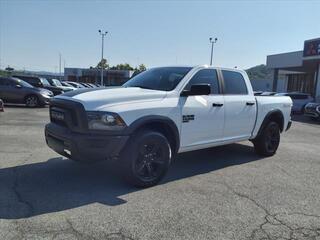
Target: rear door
[(203, 116), (240, 106)]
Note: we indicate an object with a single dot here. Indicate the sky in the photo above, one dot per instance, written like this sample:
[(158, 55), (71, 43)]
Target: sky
[(155, 33)]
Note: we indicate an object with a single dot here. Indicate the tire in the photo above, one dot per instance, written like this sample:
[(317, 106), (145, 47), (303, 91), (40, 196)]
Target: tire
[(146, 159), (32, 101), (267, 143)]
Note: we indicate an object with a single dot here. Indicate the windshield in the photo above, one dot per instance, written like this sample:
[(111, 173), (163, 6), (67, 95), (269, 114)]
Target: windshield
[(45, 82), (164, 79), (23, 83), (56, 82)]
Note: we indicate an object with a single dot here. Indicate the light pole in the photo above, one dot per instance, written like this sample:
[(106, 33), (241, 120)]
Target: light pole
[(102, 38), (60, 66), (212, 43)]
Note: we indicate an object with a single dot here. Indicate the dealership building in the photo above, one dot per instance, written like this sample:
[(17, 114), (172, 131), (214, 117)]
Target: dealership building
[(297, 71)]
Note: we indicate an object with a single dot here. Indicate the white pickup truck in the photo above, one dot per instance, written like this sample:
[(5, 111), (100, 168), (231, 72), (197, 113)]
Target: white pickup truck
[(163, 111)]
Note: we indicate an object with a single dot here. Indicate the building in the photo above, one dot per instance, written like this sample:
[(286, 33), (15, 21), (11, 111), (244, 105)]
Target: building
[(93, 75), (297, 71)]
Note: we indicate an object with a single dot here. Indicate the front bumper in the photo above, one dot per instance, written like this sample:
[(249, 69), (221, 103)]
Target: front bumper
[(84, 147), (44, 99)]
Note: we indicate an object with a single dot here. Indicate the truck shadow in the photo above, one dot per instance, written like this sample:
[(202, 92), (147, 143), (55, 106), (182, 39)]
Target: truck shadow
[(60, 184)]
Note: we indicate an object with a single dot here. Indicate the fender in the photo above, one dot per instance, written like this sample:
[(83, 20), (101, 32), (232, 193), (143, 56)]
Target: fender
[(143, 121), (267, 118)]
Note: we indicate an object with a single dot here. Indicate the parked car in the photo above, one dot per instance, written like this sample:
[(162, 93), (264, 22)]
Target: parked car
[(1, 105), (75, 84), (299, 100), (64, 83), (86, 85), (92, 85), (312, 110), (40, 83), (57, 83), (13, 90), (161, 112)]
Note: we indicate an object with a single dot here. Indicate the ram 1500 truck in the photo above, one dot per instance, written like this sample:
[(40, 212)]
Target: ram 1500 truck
[(163, 111)]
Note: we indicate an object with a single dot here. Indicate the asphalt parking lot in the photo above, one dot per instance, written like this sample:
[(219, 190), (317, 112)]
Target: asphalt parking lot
[(222, 193)]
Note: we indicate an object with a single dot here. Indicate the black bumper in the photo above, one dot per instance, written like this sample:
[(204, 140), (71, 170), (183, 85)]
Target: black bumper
[(84, 147)]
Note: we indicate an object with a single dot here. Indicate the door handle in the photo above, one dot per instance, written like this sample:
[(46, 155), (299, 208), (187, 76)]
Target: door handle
[(217, 104), (250, 103)]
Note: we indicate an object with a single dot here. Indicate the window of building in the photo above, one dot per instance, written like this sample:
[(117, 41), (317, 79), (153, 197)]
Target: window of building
[(234, 83)]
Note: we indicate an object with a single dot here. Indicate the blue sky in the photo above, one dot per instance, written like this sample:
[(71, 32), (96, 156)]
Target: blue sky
[(33, 33)]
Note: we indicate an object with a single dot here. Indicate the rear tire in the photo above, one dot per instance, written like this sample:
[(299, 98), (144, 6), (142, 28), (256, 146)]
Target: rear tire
[(267, 143), (32, 101), (146, 159)]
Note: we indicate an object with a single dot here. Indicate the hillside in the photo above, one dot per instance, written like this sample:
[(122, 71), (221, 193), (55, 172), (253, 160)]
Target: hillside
[(259, 72)]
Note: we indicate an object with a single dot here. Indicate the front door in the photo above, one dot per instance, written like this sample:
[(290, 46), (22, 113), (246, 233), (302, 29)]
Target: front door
[(202, 116)]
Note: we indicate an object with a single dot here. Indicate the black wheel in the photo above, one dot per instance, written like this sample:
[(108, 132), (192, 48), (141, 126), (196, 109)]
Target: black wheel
[(32, 101), (146, 159), (267, 142)]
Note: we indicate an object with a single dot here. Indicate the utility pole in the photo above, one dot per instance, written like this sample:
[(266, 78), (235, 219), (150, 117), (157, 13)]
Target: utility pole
[(102, 43), (212, 43)]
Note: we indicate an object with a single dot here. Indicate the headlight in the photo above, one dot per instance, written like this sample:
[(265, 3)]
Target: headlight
[(105, 121), (318, 109)]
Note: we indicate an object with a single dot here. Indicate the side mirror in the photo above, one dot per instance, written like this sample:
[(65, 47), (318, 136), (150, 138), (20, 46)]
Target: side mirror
[(197, 89), (18, 86)]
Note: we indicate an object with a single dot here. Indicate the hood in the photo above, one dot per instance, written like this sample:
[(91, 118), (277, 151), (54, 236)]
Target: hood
[(98, 99)]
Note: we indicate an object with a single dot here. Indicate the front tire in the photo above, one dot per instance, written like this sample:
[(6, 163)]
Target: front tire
[(267, 143), (32, 101), (146, 159)]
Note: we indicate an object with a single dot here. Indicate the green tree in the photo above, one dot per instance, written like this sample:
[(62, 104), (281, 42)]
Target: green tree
[(103, 64), (142, 68), (122, 66)]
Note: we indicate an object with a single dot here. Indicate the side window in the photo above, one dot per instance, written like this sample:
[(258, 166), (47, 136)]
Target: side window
[(234, 83), (205, 76)]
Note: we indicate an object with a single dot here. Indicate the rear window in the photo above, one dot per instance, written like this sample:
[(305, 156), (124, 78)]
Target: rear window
[(234, 83)]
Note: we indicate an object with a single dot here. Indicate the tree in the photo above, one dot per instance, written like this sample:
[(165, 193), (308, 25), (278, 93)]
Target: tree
[(142, 68), (103, 64), (122, 66)]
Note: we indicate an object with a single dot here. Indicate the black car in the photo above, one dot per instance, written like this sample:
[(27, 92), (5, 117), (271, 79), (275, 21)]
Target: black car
[(312, 110), (40, 83), (13, 90)]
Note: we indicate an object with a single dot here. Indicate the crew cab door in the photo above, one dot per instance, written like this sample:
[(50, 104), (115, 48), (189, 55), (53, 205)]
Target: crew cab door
[(202, 116), (240, 106)]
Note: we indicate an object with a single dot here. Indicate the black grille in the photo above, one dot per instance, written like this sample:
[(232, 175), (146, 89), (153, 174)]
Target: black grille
[(73, 112)]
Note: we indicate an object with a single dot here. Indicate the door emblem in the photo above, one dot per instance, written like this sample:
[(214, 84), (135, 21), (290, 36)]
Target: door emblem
[(187, 118)]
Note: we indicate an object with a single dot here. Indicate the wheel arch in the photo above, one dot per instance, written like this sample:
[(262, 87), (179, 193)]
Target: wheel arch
[(274, 115), (162, 124)]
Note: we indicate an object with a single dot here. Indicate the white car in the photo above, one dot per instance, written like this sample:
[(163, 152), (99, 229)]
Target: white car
[(161, 112), (300, 100)]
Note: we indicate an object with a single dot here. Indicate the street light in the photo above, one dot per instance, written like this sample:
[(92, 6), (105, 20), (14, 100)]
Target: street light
[(102, 38), (212, 43)]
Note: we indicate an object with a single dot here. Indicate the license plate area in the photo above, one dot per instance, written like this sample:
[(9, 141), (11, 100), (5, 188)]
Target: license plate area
[(56, 115)]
